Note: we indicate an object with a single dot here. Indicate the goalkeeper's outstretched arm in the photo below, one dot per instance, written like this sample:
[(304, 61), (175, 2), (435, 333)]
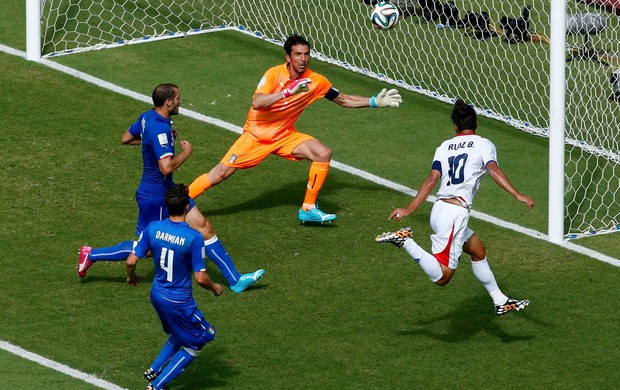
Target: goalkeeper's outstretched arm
[(384, 98)]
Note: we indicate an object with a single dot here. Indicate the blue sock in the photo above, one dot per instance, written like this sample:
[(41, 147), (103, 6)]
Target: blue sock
[(177, 365), (118, 252), (217, 253), (169, 349)]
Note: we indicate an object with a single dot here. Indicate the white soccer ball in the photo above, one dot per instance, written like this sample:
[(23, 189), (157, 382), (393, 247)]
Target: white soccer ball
[(384, 15)]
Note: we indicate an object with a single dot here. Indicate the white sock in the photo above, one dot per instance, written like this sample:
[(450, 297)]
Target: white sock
[(427, 262), (483, 273)]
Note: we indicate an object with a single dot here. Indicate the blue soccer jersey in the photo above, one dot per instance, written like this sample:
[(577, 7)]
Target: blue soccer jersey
[(178, 252), (157, 143)]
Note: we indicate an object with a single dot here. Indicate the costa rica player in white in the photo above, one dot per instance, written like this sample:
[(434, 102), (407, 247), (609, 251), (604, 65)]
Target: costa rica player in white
[(459, 165)]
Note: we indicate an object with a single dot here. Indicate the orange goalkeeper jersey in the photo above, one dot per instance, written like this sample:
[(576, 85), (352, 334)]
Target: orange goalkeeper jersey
[(278, 120)]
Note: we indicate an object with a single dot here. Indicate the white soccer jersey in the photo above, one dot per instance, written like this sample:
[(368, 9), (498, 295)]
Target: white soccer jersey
[(462, 162)]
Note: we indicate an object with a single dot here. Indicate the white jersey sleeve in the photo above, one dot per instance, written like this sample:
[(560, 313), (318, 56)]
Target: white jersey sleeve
[(462, 162)]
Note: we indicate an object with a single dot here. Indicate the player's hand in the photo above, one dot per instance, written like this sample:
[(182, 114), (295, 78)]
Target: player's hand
[(217, 289), (186, 145), (133, 279), (527, 200), (300, 85), (398, 214), (386, 98)]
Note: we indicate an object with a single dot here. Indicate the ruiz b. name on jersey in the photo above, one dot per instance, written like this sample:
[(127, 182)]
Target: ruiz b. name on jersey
[(461, 145)]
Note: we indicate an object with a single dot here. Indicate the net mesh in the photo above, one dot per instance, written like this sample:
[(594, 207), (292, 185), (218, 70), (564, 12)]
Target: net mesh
[(492, 53)]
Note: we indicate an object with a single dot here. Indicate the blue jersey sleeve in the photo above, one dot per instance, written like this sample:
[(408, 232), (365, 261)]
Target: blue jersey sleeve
[(136, 128), (160, 139), (142, 249), (198, 254)]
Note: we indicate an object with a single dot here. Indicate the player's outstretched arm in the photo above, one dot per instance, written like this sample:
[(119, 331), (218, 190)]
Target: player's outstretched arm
[(501, 179), (384, 98), (425, 191)]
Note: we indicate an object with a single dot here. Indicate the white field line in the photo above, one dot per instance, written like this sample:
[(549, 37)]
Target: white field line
[(58, 367)]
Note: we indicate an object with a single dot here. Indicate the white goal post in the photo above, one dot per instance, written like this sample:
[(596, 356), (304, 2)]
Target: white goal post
[(543, 67)]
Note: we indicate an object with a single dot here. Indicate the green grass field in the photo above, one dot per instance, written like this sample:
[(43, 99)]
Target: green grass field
[(334, 310)]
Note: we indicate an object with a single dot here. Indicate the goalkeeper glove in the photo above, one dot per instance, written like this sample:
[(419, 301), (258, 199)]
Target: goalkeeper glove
[(296, 86), (386, 98)]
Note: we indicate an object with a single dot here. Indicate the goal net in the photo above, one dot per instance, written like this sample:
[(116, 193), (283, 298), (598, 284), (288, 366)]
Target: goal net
[(492, 53)]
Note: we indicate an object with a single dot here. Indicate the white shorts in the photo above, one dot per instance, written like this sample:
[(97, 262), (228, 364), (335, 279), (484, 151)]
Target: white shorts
[(449, 222)]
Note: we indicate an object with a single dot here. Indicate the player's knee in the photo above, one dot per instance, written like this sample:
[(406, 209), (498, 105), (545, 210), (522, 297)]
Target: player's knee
[(206, 229), (193, 352), (325, 154), (446, 276), (480, 253)]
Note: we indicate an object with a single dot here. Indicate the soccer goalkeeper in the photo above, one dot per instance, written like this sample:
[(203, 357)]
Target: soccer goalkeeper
[(281, 96)]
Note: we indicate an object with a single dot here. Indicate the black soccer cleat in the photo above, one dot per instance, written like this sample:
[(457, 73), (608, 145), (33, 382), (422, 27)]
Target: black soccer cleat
[(150, 375), (397, 238), (511, 305)]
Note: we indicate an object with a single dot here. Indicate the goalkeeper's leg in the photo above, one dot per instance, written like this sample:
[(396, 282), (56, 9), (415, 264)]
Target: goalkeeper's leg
[(320, 155), (215, 176), (316, 178)]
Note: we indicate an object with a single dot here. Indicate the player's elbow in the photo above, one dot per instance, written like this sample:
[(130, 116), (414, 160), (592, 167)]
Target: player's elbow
[(131, 261), (258, 101), (166, 171), (201, 278)]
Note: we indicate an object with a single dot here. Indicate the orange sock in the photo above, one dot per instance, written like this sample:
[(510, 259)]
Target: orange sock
[(200, 185), (316, 178)]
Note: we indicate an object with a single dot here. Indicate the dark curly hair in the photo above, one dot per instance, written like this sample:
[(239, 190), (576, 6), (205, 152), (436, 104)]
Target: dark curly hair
[(177, 197), (464, 116), (292, 40)]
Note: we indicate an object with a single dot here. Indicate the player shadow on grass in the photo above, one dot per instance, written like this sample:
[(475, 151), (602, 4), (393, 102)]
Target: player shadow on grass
[(287, 194), (210, 372), (472, 317), (145, 270)]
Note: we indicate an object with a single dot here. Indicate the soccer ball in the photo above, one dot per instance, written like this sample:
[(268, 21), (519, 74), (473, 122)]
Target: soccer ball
[(384, 15)]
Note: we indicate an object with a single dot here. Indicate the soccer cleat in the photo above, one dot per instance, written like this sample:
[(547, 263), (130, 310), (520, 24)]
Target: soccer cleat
[(315, 215), (84, 262), (150, 375), (511, 305), (397, 238), (246, 280)]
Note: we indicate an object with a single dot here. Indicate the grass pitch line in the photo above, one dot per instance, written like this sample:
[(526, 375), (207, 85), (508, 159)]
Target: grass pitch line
[(93, 380), (343, 167)]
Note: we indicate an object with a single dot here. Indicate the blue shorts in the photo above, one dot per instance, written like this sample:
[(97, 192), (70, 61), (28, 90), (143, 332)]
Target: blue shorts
[(185, 321), (152, 207)]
